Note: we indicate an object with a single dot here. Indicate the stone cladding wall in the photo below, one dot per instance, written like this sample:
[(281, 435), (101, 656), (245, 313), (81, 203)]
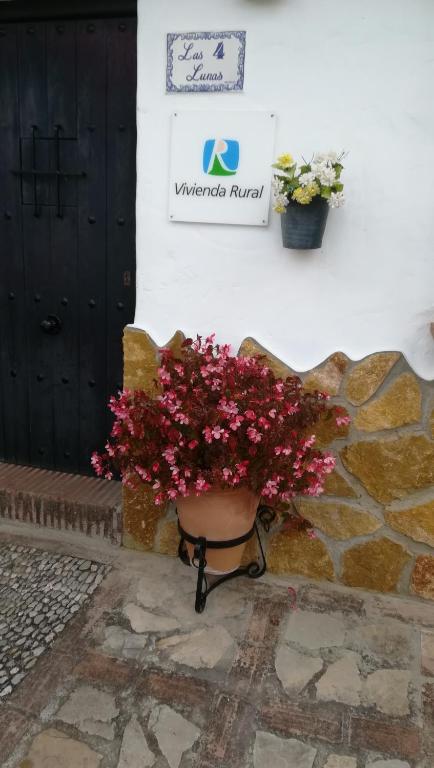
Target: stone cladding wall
[(375, 522)]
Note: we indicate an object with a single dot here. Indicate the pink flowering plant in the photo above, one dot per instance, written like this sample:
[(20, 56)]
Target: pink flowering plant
[(218, 421)]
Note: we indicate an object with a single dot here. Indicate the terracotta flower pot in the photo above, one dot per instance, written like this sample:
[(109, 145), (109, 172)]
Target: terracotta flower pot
[(219, 515)]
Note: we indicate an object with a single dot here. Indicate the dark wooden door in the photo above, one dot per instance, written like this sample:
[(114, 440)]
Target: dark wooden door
[(67, 233)]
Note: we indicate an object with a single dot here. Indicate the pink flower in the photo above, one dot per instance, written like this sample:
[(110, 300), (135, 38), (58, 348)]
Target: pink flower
[(208, 434), (263, 423), (217, 432), (236, 422), (342, 420), (216, 384), (308, 442), (270, 489), (182, 418), (164, 375), (242, 468), (201, 484), (179, 369), (193, 444), (291, 409), (230, 407), (172, 493), (143, 473), (272, 413), (169, 455), (254, 435), (226, 473), (249, 414), (155, 466), (156, 485)]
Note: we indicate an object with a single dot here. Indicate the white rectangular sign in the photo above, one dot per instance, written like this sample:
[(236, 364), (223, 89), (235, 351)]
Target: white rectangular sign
[(205, 61), (220, 167)]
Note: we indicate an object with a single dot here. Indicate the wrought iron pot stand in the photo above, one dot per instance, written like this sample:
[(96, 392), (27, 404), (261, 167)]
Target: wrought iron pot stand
[(253, 570)]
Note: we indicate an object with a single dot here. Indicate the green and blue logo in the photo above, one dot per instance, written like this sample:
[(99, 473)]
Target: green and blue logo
[(221, 157)]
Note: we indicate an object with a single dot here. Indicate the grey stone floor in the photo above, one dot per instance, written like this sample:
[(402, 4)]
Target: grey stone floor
[(136, 678)]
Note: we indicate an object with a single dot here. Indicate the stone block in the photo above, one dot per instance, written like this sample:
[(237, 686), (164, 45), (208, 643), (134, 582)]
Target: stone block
[(168, 539), (270, 750), (91, 711), (327, 377), (175, 734), (314, 630), (295, 669), (145, 621), (198, 649), (422, 580), (387, 691), (391, 469), (339, 521), (341, 682), (290, 552), (416, 522), (326, 430), (141, 517), (250, 348), (374, 565), (140, 360), (336, 485), (400, 404), (52, 747), (427, 653), (134, 748), (367, 376), (341, 761)]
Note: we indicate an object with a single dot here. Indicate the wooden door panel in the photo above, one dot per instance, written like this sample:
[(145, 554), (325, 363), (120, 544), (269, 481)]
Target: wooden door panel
[(67, 101), (14, 434)]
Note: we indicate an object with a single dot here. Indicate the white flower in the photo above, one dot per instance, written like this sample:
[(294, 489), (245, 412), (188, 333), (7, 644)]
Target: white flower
[(306, 178), (277, 185), (280, 203), (326, 157), (327, 175), (336, 200)]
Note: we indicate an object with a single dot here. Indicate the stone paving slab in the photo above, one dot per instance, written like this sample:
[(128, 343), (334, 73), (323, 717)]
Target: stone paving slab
[(136, 678)]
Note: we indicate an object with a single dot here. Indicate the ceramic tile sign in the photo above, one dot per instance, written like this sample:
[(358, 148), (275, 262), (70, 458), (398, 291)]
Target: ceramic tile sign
[(220, 166), (205, 61)]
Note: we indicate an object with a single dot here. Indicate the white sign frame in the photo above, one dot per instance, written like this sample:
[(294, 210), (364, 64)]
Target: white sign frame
[(200, 62), (221, 183)]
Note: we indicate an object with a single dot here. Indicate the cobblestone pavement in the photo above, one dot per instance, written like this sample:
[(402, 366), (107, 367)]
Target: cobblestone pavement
[(39, 593), (137, 679)]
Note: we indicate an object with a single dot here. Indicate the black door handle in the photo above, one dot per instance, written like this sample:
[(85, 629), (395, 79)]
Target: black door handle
[(52, 324)]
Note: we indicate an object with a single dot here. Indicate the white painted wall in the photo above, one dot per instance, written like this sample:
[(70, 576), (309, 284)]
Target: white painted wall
[(352, 74)]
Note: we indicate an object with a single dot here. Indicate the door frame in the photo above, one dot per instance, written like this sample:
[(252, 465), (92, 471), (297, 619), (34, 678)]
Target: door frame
[(29, 10)]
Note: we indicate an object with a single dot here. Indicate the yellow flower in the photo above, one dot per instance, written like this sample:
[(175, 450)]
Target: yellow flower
[(279, 208), (285, 161), (313, 189), (301, 195), (304, 195)]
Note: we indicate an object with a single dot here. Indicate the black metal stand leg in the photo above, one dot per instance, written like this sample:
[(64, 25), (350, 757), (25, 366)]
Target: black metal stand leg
[(253, 570)]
